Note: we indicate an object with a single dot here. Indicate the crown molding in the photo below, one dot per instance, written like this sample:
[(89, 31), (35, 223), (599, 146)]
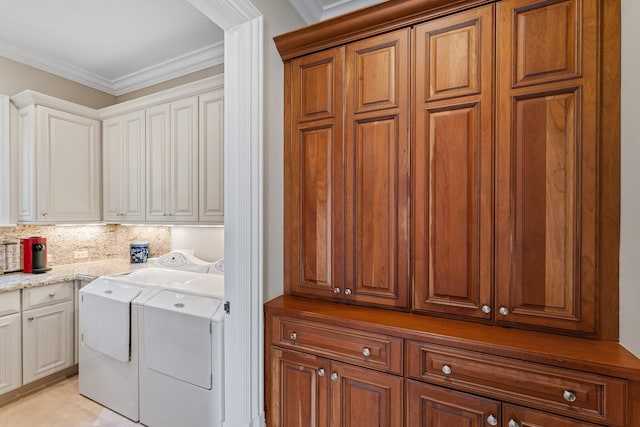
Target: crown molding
[(27, 98), (312, 11), (208, 56)]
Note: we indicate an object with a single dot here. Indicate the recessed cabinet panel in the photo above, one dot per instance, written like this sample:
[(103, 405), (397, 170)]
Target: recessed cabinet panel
[(317, 79), (211, 157), (546, 40), (10, 353), (184, 159), (527, 417), (158, 151)]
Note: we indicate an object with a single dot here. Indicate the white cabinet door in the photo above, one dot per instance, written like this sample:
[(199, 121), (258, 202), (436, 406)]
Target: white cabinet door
[(211, 150), (172, 161), (123, 141), (10, 353), (47, 338)]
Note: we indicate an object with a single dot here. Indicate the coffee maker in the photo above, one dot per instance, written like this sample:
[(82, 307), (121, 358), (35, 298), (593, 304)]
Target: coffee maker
[(34, 255)]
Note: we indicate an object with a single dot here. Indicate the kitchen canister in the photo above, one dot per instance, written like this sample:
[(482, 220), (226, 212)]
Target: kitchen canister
[(139, 252)]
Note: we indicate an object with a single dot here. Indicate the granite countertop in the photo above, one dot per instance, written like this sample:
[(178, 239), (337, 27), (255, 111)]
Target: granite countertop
[(62, 273)]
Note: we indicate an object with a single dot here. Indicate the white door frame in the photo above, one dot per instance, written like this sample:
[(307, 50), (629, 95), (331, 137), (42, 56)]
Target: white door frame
[(243, 245)]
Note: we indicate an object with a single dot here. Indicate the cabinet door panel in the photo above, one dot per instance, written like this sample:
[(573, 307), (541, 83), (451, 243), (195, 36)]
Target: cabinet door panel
[(432, 406), (363, 398), (299, 395), (184, 160), (10, 353), (211, 157), (526, 417), (158, 152), (377, 171), (452, 170)]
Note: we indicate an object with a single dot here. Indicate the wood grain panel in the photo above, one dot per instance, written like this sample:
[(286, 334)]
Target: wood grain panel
[(314, 80), (527, 417), (360, 398), (547, 40), (432, 406)]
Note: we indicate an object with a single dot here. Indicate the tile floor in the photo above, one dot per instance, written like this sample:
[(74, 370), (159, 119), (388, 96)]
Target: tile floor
[(60, 405)]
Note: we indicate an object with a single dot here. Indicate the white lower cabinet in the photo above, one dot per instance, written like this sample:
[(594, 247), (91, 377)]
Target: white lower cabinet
[(47, 330), (10, 343)]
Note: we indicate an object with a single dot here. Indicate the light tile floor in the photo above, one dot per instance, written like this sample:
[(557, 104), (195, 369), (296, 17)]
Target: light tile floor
[(60, 405)]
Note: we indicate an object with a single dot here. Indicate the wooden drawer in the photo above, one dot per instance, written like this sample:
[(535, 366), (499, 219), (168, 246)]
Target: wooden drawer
[(577, 394), (9, 303), (370, 350), (46, 295), (530, 417)]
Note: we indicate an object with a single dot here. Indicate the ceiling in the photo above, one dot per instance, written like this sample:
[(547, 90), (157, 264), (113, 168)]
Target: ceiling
[(118, 46)]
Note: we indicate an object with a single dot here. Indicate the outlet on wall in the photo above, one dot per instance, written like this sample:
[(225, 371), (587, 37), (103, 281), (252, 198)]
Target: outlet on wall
[(81, 254)]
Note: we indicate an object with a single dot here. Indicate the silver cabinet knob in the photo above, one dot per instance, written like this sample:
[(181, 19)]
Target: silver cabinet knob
[(504, 311), (446, 369), (513, 423), (321, 372), (336, 290), (293, 336), (334, 376), (486, 309), (347, 291), (366, 352), (52, 294), (44, 214), (492, 421), (30, 319), (568, 396)]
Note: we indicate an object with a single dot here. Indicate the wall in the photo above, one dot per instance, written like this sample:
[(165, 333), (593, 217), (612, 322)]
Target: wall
[(630, 197), (16, 77), (206, 242), (279, 17), (100, 241)]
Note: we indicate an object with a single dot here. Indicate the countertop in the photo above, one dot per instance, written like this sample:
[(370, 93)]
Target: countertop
[(62, 273)]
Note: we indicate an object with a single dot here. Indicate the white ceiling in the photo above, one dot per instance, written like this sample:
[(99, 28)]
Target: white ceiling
[(118, 46)]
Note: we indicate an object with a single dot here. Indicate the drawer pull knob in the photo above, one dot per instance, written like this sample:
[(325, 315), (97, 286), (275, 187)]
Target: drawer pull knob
[(486, 309), (504, 311), (293, 336), (446, 369), (336, 290), (513, 423), (30, 319), (321, 372), (334, 376), (492, 421), (347, 292), (44, 214), (52, 294), (568, 396), (366, 352)]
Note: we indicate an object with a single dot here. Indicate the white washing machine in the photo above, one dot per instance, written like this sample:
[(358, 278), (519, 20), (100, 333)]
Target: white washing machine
[(111, 333)]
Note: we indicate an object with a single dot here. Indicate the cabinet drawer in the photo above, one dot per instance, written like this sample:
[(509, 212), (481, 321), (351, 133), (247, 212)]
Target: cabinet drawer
[(577, 394), (9, 303), (371, 350), (46, 295)]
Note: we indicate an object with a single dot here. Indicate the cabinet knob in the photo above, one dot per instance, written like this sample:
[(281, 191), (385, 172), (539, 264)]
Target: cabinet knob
[(44, 214), (568, 396), (334, 376), (336, 290), (492, 421), (446, 369), (513, 423), (486, 309), (347, 291), (504, 311), (52, 294), (293, 336), (30, 319), (366, 352), (321, 372)]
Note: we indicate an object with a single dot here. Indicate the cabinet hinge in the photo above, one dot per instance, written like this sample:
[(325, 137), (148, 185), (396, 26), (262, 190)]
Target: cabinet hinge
[(227, 307)]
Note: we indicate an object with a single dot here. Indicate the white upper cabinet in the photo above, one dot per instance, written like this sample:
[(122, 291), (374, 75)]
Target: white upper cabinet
[(5, 161), (211, 177), (123, 142), (59, 155)]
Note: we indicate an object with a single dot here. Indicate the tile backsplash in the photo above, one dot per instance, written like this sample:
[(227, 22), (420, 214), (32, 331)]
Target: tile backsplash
[(99, 241)]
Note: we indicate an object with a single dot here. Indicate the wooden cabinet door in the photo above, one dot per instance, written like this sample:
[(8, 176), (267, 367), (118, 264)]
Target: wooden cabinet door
[(526, 417), (452, 164), (123, 142), (433, 406), (47, 340), (299, 390), (361, 397), (313, 175), (376, 198), (547, 164), (69, 159)]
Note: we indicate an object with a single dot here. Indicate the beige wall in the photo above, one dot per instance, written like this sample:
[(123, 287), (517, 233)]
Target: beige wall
[(16, 77), (630, 203), (279, 18)]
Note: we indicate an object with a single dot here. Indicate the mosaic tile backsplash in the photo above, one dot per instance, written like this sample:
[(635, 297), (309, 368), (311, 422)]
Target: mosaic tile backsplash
[(99, 241)]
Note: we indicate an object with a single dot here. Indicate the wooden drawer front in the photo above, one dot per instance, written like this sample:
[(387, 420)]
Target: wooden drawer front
[(527, 417), (597, 398), (46, 295), (9, 303), (342, 344)]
